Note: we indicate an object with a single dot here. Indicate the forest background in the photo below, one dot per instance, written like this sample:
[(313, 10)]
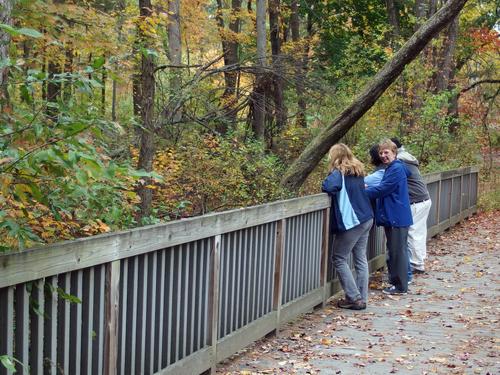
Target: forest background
[(119, 113)]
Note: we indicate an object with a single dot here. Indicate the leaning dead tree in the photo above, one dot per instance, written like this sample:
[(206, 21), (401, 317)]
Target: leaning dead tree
[(319, 146)]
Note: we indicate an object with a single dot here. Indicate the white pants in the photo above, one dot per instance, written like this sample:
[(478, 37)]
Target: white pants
[(417, 234)]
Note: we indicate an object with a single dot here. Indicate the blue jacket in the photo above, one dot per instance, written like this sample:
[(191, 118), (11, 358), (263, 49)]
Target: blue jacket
[(351, 206), (393, 203)]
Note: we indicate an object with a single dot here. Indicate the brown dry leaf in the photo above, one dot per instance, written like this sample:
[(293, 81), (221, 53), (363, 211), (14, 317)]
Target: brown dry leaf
[(437, 360), (325, 341)]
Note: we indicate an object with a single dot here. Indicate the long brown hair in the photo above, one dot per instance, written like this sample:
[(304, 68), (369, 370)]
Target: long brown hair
[(341, 157)]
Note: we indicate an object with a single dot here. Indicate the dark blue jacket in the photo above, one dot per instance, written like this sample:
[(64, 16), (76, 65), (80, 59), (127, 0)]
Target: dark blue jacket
[(350, 207), (393, 203)]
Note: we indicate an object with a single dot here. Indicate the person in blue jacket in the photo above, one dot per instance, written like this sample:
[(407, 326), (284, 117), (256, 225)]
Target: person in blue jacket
[(351, 218), (393, 212)]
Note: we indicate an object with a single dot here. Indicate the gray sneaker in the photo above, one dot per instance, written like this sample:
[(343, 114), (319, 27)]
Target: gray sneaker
[(392, 290), (351, 305)]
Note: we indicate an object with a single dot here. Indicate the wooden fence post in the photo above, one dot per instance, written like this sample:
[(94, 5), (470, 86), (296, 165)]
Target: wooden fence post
[(213, 300), (324, 253), (438, 203), (112, 300), (278, 269), (461, 196)]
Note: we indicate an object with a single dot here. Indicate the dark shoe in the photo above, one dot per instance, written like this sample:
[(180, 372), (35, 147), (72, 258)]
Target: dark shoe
[(416, 271), (356, 305), (392, 290)]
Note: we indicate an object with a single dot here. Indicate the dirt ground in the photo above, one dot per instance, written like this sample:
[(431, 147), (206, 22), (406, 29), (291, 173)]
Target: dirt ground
[(447, 324)]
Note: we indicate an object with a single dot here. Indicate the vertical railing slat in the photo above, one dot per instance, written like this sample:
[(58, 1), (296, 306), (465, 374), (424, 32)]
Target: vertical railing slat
[(170, 306), (185, 269), (261, 284), (142, 287), (100, 315), (123, 323), (67, 324), (21, 348), (36, 327), (50, 326), (6, 324), (161, 302), (272, 265), (200, 343), (223, 305), (178, 301), (231, 238), (87, 322), (324, 252), (194, 294), (244, 272), (253, 253), (151, 323)]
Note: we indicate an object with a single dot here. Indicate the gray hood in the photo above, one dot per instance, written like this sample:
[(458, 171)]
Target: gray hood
[(405, 156)]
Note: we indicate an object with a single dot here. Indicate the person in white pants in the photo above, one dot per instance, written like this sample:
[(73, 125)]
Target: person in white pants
[(417, 235), (420, 204)]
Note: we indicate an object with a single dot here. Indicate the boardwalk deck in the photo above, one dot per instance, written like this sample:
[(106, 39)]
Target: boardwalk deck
[(448, 324)]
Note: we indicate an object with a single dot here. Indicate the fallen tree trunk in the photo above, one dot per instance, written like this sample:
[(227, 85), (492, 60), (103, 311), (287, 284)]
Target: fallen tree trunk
[(319, 146)]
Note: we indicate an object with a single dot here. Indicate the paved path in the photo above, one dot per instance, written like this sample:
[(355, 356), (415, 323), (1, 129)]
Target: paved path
[(447, 324)]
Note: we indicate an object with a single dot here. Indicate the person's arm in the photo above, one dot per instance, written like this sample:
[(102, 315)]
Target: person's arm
[(374, 178), (388, 185), (332, 183)]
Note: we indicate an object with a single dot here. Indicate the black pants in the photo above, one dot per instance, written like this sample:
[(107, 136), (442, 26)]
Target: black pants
[(397, 256)]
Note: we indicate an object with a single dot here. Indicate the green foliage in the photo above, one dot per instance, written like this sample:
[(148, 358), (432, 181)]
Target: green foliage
[(9, 362), (352, 37), (55, 172), (489, 201), (22, 31), (215, 174)]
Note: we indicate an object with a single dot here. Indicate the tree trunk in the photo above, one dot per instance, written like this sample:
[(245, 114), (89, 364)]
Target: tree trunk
[(258, 94), (301, 61), (147, 146), (104, 77), (53, 89), (319, 146), (136, 94), (120, 7), (230, 48), (445, 65), (174, 54), (113, 101), (5, 18), (280, 113), (68, 68), (420, 12), (392, 16)]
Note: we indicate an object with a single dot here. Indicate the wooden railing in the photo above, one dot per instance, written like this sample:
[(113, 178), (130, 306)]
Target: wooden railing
[(182, 296)]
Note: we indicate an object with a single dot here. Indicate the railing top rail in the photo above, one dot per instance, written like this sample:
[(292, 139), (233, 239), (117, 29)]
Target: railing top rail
[(443, 175), (43, 261)]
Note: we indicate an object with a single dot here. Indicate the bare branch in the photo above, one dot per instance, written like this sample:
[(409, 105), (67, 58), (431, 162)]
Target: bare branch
[(470, 87)]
